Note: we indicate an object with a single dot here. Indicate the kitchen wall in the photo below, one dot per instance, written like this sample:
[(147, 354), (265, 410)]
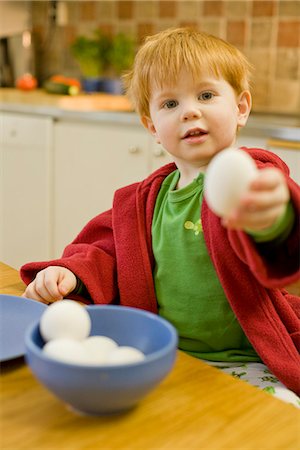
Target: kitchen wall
[(268, 32)]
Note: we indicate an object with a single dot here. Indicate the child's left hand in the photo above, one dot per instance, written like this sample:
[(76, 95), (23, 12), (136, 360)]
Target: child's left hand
[(263, 204)]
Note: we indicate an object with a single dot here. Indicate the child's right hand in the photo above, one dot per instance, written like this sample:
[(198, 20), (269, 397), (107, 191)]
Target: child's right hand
[(51, 284)]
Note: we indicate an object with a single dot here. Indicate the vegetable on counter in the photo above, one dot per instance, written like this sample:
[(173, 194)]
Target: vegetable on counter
[(59, 84), (26, 82)]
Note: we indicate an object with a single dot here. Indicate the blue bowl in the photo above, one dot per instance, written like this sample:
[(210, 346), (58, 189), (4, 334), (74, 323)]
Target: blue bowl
[(112, 388)]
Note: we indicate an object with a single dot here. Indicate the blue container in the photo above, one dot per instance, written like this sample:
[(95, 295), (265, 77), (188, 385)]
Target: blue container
[(91, 84), (112, 388), (111, 86)]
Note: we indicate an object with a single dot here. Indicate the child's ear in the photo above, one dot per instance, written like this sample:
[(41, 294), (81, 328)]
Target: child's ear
[(244, 107), (147, 122)]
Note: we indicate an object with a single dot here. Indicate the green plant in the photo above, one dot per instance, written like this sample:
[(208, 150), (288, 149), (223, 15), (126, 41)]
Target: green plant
[(91, 54), (122, 52), (103, 54)]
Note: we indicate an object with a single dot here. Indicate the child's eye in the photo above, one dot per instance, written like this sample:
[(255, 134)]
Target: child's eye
[(169, 104), (207, 95)]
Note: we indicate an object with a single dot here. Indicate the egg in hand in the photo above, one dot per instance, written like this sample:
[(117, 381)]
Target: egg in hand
[(227, 178)]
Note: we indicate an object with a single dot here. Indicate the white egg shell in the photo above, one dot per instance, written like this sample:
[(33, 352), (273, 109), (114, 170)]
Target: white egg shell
[(227, 178), (66, 350), (65, 319), (98, 348), (125, 355)]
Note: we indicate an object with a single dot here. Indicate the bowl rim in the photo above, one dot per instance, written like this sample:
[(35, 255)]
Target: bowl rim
[(37, 351)]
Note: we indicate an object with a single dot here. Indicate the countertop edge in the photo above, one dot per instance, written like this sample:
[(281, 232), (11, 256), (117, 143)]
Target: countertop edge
[(260, 125)]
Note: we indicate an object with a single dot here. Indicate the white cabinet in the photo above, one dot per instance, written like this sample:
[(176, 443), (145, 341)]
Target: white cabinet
[(243, 140), (289, 152), (25, 178), (92, 160), (158, 156)]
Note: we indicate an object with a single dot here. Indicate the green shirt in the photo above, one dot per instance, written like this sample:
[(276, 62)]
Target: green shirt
[(188, 290)]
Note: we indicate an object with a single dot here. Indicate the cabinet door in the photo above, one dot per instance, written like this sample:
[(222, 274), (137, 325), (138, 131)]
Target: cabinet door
[(25, 152), (159, 156), (91, 161), (289, 152), (243, 140)]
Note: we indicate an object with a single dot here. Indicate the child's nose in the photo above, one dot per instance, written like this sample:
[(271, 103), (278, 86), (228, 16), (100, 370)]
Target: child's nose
[(191, 112)]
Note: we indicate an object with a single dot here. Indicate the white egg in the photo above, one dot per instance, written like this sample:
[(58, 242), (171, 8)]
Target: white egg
[(98, 348), (125, 355), (65, 319), (227, 178), (66, 350)]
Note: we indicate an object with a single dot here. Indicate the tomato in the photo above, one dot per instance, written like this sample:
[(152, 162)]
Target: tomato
[(26, 82)]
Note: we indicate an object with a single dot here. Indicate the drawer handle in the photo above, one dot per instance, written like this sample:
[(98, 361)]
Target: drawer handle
[(158, 152), (133, 150)]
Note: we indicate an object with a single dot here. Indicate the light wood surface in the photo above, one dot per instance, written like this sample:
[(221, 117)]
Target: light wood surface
[(281, 143), (81, 102), (195, 407)]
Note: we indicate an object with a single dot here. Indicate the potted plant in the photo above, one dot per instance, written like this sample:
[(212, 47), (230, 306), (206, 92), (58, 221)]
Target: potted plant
[(121, 56), (102, 59), (91, 55)]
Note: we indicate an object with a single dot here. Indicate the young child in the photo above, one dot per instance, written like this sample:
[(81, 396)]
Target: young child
[(161, 248)]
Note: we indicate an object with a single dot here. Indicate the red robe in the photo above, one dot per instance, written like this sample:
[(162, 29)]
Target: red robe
[(113, 257)]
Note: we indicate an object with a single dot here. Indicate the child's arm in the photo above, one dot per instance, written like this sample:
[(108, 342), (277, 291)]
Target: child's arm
[(274, 263), (51, 284)]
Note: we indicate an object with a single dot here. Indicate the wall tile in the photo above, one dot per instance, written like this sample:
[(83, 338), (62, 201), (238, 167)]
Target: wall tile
[(214, 26), (213, 8), (189, 24), (284, 96), (289, 8), (261, 33), (237, 8), (189, 10), (288, 34), (87, 10), (236, 32), (260, 94), (288, 63), (263, 8), (73, 11), (40, 12), (125, 9), (262, 61), (167, 9), (165, 23), (144, 29), (105, 10), (146, 10), (107, 28)]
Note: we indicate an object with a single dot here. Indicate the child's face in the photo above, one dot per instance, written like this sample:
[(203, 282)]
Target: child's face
[(195, 120)]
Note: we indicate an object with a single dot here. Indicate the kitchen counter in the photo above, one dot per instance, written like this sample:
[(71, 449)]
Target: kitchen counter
[(103, 107), (83, 107)]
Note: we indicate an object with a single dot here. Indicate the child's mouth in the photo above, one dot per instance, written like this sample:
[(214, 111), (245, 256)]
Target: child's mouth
[(195, 135)]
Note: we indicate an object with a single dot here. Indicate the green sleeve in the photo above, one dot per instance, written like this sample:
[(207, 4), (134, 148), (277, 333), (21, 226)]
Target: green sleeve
[(279, 231)]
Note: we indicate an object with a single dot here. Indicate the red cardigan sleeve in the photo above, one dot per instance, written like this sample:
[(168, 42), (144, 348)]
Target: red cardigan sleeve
[(278, 266), (91, 257)]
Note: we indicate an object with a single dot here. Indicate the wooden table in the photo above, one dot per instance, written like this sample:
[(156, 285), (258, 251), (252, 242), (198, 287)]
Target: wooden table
[(195, 407)]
